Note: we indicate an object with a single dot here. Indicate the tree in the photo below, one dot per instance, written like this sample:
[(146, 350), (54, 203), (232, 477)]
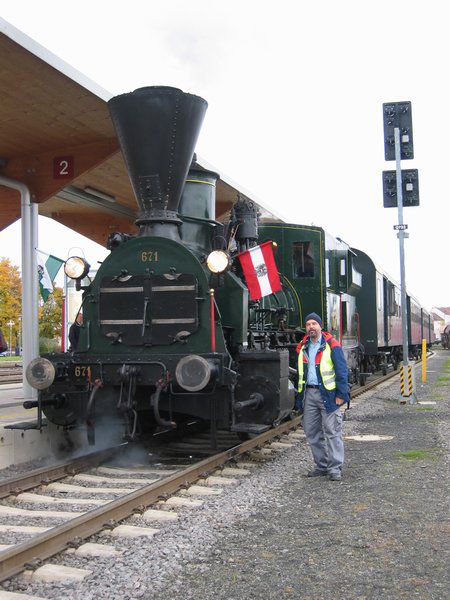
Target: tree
[(50, 321), (10, 299), (49, 314)]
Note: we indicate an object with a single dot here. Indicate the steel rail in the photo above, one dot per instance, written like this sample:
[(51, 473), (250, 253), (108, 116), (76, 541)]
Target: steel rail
[(56, 539), (372, 384), (49, 543), (368, 386), (21, 483)]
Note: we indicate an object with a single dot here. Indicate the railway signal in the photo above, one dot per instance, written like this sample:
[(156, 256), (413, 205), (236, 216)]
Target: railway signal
[(410, 188), (400, 188), (398, 115)]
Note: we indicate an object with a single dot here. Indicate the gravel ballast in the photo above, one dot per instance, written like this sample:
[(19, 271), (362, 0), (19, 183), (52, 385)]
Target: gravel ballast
[(380, 533)]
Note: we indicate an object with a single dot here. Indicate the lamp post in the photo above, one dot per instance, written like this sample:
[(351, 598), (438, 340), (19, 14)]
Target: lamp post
[(20, 336), (11, 325)]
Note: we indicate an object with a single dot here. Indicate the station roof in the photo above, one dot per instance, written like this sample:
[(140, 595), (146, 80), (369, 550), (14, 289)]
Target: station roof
[(56, 136)]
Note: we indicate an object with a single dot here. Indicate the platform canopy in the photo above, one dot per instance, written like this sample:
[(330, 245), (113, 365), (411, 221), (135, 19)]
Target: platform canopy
[(56, 137)]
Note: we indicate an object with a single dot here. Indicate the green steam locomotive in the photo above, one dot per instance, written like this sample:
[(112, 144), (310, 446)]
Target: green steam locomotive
[(170, 333)]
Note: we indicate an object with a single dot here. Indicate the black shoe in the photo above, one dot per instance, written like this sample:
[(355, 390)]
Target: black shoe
[(316, 473), (335, 477)]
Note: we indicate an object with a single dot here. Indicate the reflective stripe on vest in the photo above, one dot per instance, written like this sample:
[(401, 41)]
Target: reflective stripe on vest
[(326, 369)]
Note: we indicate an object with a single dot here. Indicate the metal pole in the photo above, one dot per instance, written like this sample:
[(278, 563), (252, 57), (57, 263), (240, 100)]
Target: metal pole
[(29, 279), (401, 237), (65, 345), (424, 361), (10, 323), (34, 235)]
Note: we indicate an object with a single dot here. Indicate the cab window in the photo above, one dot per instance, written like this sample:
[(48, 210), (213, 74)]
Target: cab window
[(303, 259)]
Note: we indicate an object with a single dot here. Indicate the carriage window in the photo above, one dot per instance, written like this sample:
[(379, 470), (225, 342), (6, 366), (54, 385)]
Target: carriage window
[(344, 317), (303, 259), (356, 277), (378, 294), (343, 271), (327, 272), (391, 300)]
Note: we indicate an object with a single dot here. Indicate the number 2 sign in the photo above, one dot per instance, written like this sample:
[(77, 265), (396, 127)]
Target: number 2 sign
[(63, 167)]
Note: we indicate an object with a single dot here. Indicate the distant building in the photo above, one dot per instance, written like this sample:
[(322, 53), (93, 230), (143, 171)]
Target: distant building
[(441, 318)]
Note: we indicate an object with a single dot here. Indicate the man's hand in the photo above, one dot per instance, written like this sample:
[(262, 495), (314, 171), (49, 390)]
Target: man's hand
[(339, 401)]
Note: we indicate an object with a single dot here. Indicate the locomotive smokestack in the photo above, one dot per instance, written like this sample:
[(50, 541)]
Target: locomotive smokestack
[(157, 129)]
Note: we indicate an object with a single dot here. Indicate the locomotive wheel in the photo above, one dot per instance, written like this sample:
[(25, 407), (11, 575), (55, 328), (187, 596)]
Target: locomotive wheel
[(384, 370), (362, 380)]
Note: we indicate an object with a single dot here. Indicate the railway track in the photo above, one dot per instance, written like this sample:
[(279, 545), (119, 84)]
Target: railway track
[(137, 494), (10, 372), (107, 513)]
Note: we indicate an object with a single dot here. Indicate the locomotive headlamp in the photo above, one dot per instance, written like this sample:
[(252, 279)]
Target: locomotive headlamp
[(218, 261), (76, 267), (40, 373), (193, 373)]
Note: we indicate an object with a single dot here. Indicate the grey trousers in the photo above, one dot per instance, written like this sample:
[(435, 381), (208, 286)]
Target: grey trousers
[(324, 432)]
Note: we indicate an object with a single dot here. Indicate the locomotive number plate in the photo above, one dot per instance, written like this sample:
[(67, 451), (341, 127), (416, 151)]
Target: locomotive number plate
[(149, 256), (82, 371)]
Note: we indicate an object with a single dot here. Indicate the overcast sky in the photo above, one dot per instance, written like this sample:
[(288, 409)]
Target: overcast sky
[(295, 92)]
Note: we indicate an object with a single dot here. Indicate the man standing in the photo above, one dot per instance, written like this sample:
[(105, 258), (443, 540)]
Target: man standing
[(322, 389)]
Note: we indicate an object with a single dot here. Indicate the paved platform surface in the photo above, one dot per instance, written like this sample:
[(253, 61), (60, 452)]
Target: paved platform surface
[(381, 533), (11, 409)]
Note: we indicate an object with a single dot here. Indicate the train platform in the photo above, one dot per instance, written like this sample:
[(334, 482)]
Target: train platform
[(11, 400), (20, 441), (380, 533), (18, 444)]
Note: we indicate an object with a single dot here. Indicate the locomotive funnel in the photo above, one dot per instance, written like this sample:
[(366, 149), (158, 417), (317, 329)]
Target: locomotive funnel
[(157, 129)]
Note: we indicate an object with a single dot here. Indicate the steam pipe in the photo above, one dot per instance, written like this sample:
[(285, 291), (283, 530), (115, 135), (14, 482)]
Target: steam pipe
[(30, 338), (155, 405), (212, 320)]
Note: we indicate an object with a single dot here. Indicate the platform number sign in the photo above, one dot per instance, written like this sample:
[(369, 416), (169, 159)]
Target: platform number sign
[(63, 167)]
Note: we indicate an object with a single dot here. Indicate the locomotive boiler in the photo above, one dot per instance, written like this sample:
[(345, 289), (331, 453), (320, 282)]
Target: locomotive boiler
[(165, 335)]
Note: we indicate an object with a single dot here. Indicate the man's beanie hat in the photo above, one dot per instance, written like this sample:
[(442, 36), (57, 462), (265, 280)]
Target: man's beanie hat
[(315, 317)]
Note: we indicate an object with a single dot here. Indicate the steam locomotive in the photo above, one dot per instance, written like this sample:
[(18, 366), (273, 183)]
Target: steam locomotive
[(169, 332)]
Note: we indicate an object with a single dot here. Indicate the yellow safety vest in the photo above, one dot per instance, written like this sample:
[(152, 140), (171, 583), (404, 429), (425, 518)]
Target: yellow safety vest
[(326, 369)]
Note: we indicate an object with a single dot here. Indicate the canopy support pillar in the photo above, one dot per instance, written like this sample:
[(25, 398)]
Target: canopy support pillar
[(30, 333)]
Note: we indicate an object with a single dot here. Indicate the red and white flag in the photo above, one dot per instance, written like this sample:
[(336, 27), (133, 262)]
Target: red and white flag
[(260, 271)]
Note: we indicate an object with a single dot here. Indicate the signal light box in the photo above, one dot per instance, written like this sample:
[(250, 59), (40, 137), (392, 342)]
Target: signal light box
[(410, 188), (398, 114)]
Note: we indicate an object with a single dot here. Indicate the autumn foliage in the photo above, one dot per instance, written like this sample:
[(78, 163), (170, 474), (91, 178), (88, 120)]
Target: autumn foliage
[(10, 298), (49, 313)]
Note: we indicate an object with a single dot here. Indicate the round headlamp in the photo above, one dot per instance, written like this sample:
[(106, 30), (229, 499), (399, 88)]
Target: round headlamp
[(40, 373), (218, 261), (193, 373), (76, 267)]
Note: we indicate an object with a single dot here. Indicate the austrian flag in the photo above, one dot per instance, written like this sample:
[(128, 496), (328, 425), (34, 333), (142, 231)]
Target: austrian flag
[(260, 271)]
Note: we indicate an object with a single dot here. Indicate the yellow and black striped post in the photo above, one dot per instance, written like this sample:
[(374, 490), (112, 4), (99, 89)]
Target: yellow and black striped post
[(424, 361), (406, 382)]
